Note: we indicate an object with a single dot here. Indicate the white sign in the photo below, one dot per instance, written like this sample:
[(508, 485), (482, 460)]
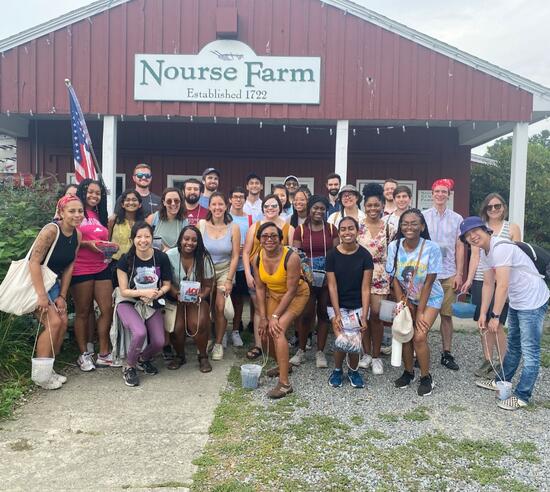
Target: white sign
[(8, 154), (425, 200), (227, 71)]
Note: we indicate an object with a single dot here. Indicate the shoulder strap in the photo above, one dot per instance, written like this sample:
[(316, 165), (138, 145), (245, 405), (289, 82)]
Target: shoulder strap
[(417, 264), (202, 226), (302, 233), (156, 219), (52, 247), (249, 220), (287, 257)]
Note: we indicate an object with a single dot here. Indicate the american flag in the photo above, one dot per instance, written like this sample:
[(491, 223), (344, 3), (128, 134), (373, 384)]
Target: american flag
[(83, 163)]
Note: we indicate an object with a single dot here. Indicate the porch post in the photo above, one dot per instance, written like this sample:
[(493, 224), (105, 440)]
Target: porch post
[(341, 153), (109, 155), (518, 176)]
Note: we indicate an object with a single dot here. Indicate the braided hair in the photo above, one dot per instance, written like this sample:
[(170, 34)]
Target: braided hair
[(199, 255)]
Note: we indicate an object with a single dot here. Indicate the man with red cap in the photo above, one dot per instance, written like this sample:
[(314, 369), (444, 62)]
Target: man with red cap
[(444, 228)]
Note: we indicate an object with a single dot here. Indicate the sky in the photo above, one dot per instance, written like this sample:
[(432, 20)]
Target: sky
[(512, 34)]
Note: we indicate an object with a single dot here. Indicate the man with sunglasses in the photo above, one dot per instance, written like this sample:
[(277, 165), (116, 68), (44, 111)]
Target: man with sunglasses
[(142, 177)]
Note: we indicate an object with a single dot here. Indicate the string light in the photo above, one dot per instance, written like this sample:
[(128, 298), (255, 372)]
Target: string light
[(307, 130), (238, 119), (215, 119), (261, 124), (450, 123), (191, 118), (167, 116), (427, 124), (378, 131), (284, 128), (330, 131), (473, 125), (144, 117), (403, 128)]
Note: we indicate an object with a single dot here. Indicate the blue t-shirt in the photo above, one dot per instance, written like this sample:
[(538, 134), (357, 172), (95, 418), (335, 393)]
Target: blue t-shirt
[(243, 221), (430, 262)]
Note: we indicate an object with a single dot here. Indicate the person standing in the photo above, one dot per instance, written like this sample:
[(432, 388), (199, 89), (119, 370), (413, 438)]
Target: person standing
[(291, 184), (402, 197), (300, 213), (284, 197), (493, 212), (349, 276), (444, 228), (170, 219), (253, 204), (211, 183), (508, 273), (349, 198), (389, 187), (237, 197), (334, 181), (142, 177), (194, 211), (127, 212)]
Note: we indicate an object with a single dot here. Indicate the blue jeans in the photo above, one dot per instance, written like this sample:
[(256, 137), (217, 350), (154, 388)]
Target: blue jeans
[(524, 336)]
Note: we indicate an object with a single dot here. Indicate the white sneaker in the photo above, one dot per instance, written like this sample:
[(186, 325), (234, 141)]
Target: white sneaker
[(365, 361), (86, 362), (217, 352), (386, 349), (104, 360), (298, 358), (236, 339), (51, 384), (62, 379), (224, 340), (320, 360), (377, 366)]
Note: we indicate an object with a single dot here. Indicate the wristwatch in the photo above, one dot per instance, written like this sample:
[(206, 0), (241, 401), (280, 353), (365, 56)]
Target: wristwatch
[(276, 316), (493, 315)]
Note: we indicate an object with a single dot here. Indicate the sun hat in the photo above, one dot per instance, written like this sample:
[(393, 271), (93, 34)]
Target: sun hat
[(210, 170), (348, 188), (470, 223)]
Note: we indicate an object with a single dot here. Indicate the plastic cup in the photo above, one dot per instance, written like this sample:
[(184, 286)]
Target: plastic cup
[(41, 369), (250, 375), (504, 390), (386, 310), (396, 350)]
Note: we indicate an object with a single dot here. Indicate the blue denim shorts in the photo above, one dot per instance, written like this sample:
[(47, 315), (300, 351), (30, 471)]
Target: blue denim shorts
[(54, 292)]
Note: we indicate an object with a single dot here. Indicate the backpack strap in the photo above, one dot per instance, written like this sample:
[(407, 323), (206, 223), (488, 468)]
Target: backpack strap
[(287, 257), (156, 219), (249, 220), (202, 226), (302, 233), (526, 270)]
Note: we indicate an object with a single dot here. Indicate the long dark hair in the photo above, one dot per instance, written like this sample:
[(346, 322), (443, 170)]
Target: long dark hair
[(287, 205), (163, 214), (226, 215), (425, 234), (101, 207), (120, 211), (294, 217), (200, 254), (131, 255)]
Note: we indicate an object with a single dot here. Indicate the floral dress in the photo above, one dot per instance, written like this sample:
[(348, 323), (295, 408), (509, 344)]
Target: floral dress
[(378, 248)]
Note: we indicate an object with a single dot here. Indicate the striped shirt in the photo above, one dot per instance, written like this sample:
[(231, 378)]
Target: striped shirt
[(504, 233), (444, 229)]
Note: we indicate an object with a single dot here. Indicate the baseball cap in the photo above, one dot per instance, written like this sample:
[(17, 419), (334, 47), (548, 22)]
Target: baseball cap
[(470, 223), (210, 170), (291, 177)]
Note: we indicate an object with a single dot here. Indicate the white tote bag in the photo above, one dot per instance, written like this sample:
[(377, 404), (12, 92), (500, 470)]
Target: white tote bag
[(17, 294)]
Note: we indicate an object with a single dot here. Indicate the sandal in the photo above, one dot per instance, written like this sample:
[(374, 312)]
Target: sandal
[(274, 372), (280, 391), (204, 364), (254, 353), (176, 362)]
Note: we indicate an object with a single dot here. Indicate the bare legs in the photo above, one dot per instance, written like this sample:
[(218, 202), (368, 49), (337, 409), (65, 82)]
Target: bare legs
[(419, 344)]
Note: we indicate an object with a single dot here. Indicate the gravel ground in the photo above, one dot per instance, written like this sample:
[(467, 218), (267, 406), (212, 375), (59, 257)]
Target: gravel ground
[(457, 408)]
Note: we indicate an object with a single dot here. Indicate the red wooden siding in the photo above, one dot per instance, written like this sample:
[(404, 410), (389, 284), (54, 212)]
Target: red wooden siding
[(367, 72), (177, 148)]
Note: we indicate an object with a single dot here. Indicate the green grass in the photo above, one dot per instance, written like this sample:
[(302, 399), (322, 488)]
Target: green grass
[(417, 414), (388, 417)]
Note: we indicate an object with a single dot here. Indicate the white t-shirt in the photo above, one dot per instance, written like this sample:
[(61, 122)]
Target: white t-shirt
[(526, 289)]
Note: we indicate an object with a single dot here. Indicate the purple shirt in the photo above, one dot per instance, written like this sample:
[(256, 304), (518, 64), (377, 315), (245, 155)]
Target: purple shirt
[(444, 229)]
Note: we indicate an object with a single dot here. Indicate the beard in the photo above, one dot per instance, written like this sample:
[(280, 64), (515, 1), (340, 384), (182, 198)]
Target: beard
[(192, 199), (333, 192)]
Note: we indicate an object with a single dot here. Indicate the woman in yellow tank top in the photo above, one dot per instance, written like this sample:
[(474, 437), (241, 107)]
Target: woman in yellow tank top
[(281, 296), (127, 212), (272, 209)]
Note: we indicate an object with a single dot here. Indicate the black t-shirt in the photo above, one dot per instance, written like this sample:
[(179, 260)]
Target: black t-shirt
[(159, 265), (149, 204), (349, 274)]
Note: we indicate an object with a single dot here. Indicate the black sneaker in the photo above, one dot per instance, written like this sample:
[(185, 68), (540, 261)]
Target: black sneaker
[(147, 367), (129, 374), (167, 352), (405, 379), (448, 361), (426, 386)]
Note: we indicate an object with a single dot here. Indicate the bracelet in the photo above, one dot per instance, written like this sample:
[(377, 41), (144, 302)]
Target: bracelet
[(276, 316), (62, 297)]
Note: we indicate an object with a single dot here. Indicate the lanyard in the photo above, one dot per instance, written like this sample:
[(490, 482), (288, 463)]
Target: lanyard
[(311, 244)]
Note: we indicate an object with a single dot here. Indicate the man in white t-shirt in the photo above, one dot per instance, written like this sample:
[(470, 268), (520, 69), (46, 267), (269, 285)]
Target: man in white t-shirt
[(510, 274)]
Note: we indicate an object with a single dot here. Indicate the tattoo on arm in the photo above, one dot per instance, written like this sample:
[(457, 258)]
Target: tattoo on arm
[(43, 244)]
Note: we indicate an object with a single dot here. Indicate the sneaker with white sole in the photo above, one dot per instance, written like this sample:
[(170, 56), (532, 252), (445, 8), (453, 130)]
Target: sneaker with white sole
[(86, 362), (365, 361), (385, 349), (298, 358), (62, 379), (236, 339), (104, 360), (487, 383), (320, 360), (52, 384), (130, 376), (377, 366), (217, 352), (512, 403), (224, 340)]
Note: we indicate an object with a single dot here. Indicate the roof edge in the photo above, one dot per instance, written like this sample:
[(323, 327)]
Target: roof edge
[(434, 44), (58, 23)]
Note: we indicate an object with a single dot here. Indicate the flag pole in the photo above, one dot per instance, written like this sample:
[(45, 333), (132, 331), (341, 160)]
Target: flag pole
[(92, 152)]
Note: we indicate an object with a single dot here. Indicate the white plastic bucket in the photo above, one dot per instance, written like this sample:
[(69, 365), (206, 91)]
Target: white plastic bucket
[(504, 389), (250, 374), (396, 350), (41, 369), (386, 310)]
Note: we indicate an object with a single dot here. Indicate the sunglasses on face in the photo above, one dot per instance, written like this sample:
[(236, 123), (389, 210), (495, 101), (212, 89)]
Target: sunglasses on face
[(269, 237), (269, 205), (143, 176), (496, 207), (171, 201)]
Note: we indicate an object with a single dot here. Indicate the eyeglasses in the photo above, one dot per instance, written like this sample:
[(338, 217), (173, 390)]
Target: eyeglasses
[(271, 205), (238, 197), (496, 207), (347, 196), (143, 175), (269, 237), (171, 201)]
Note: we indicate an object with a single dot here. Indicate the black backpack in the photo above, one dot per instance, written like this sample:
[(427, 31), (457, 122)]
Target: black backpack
[(539, 256)]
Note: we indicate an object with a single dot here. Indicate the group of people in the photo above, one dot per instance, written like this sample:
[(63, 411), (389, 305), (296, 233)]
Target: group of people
[(161, 268)]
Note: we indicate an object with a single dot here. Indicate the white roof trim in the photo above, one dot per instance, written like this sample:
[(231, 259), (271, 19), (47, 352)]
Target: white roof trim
[(353, 8), (58, 23), (479, 159)]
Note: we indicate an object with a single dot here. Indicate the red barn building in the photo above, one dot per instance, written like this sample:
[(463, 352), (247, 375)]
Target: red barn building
[(303, 87)]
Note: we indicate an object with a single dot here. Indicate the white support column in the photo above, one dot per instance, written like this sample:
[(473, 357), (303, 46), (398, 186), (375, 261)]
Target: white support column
[(109, 157), (518, 176), (341, 153)]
